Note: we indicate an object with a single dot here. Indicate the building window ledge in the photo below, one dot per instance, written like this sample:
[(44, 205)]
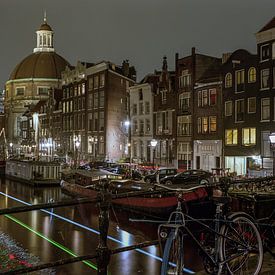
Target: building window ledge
[(266, 120)]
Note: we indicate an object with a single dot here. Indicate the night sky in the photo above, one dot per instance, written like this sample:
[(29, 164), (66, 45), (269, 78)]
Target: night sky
[(142, 31)]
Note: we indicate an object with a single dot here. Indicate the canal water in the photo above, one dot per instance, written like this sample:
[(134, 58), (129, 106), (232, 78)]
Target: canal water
[(61, 233)]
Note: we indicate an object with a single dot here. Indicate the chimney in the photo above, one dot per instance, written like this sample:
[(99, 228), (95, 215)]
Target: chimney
[(225, 57), (125, 67)]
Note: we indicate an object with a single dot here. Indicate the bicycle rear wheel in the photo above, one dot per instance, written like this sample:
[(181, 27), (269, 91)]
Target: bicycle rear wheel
[(172, 261), (241, 246)]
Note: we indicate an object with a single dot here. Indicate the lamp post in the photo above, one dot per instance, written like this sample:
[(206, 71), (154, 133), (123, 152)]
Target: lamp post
[(272, 146), (77, 144), (153, 145)]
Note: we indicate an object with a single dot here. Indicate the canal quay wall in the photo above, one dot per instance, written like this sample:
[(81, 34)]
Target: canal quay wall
[(37, 173)]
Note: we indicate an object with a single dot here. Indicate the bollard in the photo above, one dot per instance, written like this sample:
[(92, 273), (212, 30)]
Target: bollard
[(103, 252)]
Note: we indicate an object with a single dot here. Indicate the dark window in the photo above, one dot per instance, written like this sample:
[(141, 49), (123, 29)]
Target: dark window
[(198, 162), (265, 52)]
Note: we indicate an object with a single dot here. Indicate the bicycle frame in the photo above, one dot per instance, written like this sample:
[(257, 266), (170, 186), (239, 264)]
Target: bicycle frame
[(177, 221)]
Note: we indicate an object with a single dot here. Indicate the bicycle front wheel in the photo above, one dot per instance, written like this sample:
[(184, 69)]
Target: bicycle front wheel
[(241, 246), (172, 261)]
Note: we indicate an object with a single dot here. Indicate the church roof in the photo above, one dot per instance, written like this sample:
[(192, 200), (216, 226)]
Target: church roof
[(269, 25), (40, 65), (45, 27)]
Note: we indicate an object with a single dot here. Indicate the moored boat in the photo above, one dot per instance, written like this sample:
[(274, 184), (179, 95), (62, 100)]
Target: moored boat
[(139, 197), (153, 204)]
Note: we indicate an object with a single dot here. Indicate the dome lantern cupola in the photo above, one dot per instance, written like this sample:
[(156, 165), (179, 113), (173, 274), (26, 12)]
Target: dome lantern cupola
[(44, 38)]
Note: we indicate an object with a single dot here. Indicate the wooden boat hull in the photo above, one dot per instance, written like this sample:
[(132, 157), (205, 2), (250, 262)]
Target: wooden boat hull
[(77, 190), (158, 205)]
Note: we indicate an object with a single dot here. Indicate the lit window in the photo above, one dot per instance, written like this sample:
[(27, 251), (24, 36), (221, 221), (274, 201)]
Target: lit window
[(204, 98), (204, 124), (264, 78), (265, 109), (252, 75), (249, 136), (228, 108), (213, 124), (251, 105), (231, 137), (228, 80), (83, 88)]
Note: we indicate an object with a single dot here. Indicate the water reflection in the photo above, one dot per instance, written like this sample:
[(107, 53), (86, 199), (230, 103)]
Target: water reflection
[(75, 229)]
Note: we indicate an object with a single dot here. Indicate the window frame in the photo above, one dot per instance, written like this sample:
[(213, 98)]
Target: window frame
[(20, 87), (234, 132), (250, 136), (248, 105), (241, 100), (268, 80), (228, 81), (265, 119), (226, 108), (252, 75)]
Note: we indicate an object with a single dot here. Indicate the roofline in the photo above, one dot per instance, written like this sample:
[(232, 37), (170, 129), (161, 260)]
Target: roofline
[(33, 79)]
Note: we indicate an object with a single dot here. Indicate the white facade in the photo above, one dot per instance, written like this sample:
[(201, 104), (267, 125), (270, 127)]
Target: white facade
[(141, 122), (207, 154)]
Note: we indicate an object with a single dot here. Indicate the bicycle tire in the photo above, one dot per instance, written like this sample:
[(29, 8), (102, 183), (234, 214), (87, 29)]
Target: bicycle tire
[(243, 235), (172, 260)]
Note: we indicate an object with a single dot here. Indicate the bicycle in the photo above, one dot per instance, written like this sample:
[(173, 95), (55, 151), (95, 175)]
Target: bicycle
[(235, 247)]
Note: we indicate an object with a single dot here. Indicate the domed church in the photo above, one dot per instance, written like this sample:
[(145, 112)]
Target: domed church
[(31, 80)]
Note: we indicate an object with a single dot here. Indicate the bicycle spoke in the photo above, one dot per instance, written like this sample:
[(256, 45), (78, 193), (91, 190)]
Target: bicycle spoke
[(241, 247)]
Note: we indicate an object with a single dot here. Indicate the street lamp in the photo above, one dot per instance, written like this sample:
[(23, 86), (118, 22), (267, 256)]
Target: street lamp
[(11, 149), (272, 142), (77, 144), (153, 145)]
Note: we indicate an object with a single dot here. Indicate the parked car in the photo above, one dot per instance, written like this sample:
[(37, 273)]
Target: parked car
[(161, 173), (189, 176)]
